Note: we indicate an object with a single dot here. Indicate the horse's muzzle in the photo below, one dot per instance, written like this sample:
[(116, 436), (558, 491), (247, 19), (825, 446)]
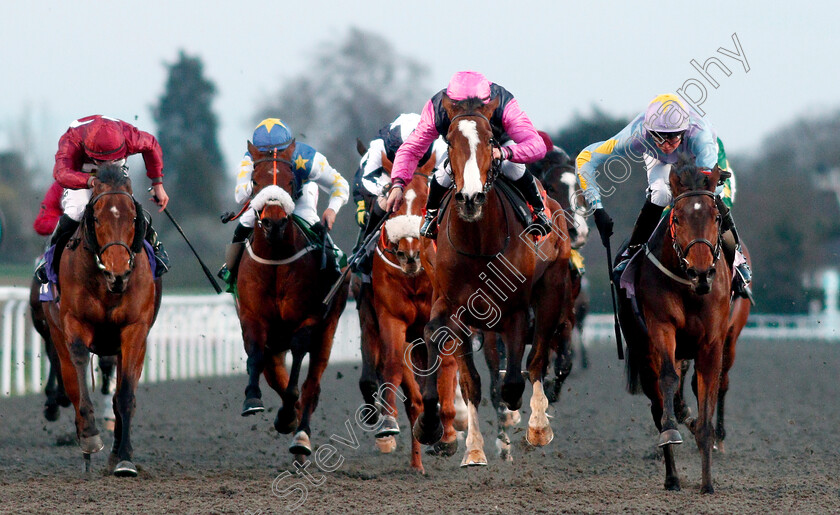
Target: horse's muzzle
[(116, 283), (701, 281), (469, 206), (273, 228), (409, 262)]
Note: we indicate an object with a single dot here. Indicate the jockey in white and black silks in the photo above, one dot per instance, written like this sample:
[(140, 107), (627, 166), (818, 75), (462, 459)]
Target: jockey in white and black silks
[(88, 143), (658, 136), (311, 170), (372, 180), (511, 128)]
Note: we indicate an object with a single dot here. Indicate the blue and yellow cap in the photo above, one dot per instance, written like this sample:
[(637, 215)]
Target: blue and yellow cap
[(272, 133)]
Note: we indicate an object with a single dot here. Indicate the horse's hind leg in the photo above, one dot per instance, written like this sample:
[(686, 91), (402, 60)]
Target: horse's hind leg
[(681, 408), (504, 417), (393, 333), (278, 379), (513, 384), (726, 364), (107, 365), (708, 366), (371, 359), (413, 407)]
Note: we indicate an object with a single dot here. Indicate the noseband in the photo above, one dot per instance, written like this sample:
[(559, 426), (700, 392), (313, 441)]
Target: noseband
[(274, 159), (682, 252), (93, 245)]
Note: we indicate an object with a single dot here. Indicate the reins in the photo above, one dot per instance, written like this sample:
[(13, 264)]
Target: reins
[(91, 243)]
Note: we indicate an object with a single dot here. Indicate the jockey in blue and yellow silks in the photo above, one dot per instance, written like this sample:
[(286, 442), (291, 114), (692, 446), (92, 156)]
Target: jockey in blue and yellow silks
[(311, 170), (667, 129)]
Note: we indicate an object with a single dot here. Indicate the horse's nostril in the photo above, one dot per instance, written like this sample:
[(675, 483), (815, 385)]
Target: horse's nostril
[(691, 273), (480, 198), (459, 197)]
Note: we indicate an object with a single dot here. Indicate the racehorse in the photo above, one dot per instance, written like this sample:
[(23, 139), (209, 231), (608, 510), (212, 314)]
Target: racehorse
[(556, 172), (280, 291), (478, 234), (737, 321), (395, 313), (675, 306), (107, 306)]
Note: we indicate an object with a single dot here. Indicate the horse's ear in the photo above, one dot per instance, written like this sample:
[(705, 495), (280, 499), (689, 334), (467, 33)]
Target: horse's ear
[(489, 107), (252, 149), (714, 178), (447, 104), (360, 147), (674, 180), (386, 163)]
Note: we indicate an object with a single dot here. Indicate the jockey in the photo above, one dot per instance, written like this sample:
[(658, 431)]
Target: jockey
[(511, 128), (666, 129), (311, 170), (372, 180), (88, 143)]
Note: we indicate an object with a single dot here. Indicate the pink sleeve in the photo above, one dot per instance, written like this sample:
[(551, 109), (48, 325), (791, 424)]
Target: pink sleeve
[(529, 145), (413, 148)]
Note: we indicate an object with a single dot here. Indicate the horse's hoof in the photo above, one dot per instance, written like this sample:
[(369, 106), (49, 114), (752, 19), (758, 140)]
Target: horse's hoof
[(707, 489), (510, 418), (386, 445), (252, 406), (63, 401), (91, 444), (690, 423), (442, 448), (389, 427), (669, 437), (125, 469), (719, 447), (52, 412), (503, 448), (424, 435), (539, 436), (300, 444), (474, 458), (285, 427), (672, 485)]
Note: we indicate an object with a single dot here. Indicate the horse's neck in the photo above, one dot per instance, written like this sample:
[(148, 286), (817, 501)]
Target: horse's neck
[(487, 236), (292, 241)]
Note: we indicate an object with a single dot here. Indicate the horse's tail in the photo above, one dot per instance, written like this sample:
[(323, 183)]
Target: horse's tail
[(633, 369), (635, 336)]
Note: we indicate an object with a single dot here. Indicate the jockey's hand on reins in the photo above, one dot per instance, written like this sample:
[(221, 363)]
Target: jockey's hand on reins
[(604, 223)]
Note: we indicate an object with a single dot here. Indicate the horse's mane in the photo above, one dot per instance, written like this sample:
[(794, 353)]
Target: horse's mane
[(468, 105), (689, 174), (113, 174)]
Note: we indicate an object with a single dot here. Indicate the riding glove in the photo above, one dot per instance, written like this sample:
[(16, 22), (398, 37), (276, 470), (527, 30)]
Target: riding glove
[(604, 224)]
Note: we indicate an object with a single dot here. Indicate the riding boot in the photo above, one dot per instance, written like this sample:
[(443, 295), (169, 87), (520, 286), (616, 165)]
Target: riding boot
[(161, 257), (60, 236), (732, 252), (233, 253), (364, 264), (645, 224), (527, 185), (430, 221)]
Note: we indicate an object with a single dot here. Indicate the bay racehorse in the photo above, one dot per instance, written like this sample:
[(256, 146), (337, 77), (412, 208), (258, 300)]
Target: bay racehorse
[(280, 288), (675, 305), (107, 306), (480, 235)]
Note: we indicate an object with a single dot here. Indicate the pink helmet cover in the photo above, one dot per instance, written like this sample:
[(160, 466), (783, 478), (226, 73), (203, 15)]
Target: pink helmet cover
[(468, 84)]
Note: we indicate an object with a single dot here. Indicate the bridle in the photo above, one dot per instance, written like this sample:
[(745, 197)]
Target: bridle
[(93, 245), (383, 241), (682, 252), (496, 166), (274, 159)]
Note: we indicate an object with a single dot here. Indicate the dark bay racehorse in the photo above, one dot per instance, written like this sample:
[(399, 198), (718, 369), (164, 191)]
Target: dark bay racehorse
[(107, 306), (680, 312), (281, 289), (478, 236)]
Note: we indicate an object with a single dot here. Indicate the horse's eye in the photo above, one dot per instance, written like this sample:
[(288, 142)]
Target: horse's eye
[(676, 221), (95, 220)]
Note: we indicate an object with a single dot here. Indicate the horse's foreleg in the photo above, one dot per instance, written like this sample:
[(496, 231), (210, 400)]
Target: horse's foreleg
[(371, 359), (74, 366), (428, 429), (726, 364), (130, 367), (504, 417), (662, 405), (320, 343), (393, 333), (254, 335), (513, 384), (413, 408), (471, 385), (447, 386), (708, 367)]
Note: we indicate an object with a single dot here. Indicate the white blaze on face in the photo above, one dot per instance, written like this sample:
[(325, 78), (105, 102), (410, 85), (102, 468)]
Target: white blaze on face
[(697, 206), (472, 175), (410, 195)]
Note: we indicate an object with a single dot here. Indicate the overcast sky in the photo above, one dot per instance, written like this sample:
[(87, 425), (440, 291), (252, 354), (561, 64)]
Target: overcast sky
[(64, 60)]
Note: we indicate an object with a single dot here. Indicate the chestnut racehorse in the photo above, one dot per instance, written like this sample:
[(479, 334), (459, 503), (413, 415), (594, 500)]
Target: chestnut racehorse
[(680, 312), (281, 288), (480, 235), (107, 307)]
